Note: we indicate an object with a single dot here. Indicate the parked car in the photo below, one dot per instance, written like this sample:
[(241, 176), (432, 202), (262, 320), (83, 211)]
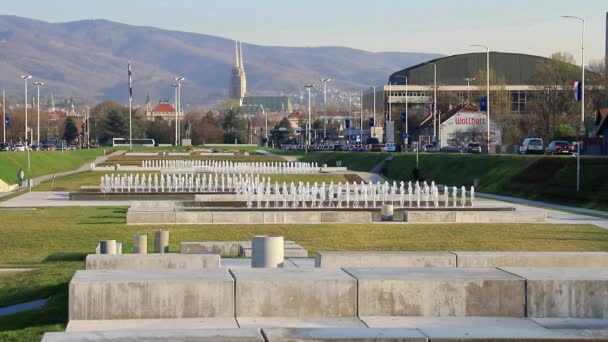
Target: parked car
[(559, 147), (532, 145), (376, 148), (34, 148), (71, 147), (20, 148), (4, 147), (473, 148), (429, 148), (390, 147)]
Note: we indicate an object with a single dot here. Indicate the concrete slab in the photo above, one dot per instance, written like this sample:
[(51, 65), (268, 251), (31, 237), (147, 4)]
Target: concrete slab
[(152, 261), (532, 259), (572, 323), (193, 217), (223, 248), (326, 259), (297, 322), (150, 217), (203, 335), (565, 292), (152, 324), (438, 292), (413, 322), (151, 294), (303, 262), (503, 335), (294, 292), (342, 334), (289, 251)]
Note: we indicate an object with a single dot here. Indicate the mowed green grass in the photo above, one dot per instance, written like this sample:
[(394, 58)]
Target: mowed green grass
[(44, 162), (55, 241), (75, 181)]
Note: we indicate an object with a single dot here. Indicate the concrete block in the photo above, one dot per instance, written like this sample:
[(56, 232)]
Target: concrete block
[(118, 249), (223, 248), (193, 217), (225, 197), (274, 217), (295, 292), (565, 292), (150, 217), (243, 217), (417, 322), (504, 335), (303, 262), (438, 292), (202, 335), (430, 216), (152, 324), (267, 251), (155, 204), (302, 217), (532, 259), (290, 251), (300, 322), (152, 261), (342, 334), (476, 216), (572, 323), (151, 294), (346, 217), (325, 259)]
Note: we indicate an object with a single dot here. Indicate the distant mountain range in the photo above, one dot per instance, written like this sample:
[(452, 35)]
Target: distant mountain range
[(88, 59)]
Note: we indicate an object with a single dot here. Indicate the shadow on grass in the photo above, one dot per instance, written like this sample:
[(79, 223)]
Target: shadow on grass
[(66, 257), (54, 312)]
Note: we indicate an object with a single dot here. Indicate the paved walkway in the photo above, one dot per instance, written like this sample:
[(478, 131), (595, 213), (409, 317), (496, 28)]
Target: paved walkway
[(268, 153), (543, 204), (86, 167)]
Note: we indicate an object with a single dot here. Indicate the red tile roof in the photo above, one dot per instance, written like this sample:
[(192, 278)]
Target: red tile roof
[(163, 107)]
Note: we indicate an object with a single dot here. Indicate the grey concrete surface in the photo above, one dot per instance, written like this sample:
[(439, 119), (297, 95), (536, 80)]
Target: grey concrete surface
[(152, 324), (417, 322), (438, 292), (56, 199), (573, 323), (330, 259), (503, 335), (294, 292), (300, 322), (413, 216), (152, 261), (151, 294), (223, 248), (342, 334), (203, 335), (565, 292), (532, 259)]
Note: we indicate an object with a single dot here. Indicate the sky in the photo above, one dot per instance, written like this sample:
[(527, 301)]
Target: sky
[(435, 26)]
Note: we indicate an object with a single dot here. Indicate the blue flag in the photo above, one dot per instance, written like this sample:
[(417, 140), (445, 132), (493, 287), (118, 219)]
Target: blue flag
[(130, 82)]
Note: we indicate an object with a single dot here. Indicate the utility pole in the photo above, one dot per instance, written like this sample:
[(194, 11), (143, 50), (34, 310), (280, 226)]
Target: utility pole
[(309, 125), (325, 80), (25, 78), (38, 84), (3, 116)]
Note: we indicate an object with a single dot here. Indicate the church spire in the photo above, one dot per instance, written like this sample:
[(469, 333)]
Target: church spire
[(237, 62), (241, 55)]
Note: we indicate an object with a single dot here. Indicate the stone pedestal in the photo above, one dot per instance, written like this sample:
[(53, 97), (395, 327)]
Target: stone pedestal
[(186, 142), (267, 251), (140, 244), (161, 241), (107, 247), (387, 211)]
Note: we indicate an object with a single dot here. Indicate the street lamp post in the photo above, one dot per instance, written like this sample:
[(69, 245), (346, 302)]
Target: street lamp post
[(487, 93), (373, 128), (582, 127), (469, 79), (361, 116), (265, 112), (178, 110), (435, 102), (3, 117), (25, 78), (325, 80), (174, 85), (38, 84), (309, 125)]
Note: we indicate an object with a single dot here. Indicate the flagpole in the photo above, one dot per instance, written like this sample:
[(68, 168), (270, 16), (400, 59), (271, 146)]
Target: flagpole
[(130, 101), (3, 117)]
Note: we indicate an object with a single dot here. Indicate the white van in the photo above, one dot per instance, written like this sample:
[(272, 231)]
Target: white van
[(390, 147), (532, 145)]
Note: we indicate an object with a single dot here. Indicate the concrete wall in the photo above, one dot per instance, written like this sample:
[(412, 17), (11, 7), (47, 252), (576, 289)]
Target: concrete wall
[(565, 292), (151, 294), (476, 216), (223, 248), (384, 259), (201, 335), (343, 334), (532, 259), (438, 292), (152, 261), (295, 293)]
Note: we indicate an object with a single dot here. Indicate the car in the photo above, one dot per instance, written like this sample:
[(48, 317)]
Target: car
[(559, 147), (532, 145), (20, 148), (375, 148), (429, 148), (35, 148), (71, 147), (473, 148), (4, 147), (390, 147)]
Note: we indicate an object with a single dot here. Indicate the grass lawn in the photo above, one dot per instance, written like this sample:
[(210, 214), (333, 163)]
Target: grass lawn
[(44, 162), (56, 240), (75, 181)]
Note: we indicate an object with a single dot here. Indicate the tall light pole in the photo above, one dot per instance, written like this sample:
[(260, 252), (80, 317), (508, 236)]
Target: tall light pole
[(582, 128), (38, 84), (309, 125), (25, 78), (179, 108), (435, 102), (325, 80), (373, 128), (265, 112), (487, 93), (174, 85), (469, 79), (3, 117), (361, 116)]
